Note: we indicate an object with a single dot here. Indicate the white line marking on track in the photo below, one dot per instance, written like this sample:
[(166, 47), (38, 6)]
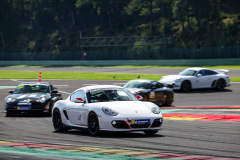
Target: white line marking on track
[(119, 83), (16, 80), (90, 84), (235, 82), (64, 92), (61, 85)]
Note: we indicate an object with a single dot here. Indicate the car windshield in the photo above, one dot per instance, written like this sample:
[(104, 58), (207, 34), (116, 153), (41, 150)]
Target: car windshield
[(31, 88), (109, 95), (188, 72), (137, 84)]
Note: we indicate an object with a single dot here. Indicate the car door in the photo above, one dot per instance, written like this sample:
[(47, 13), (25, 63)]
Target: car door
[(77, 111), (156, 94), (205, 80)]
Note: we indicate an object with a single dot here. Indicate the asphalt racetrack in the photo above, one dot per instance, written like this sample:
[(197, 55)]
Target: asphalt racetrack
[(190, 137)]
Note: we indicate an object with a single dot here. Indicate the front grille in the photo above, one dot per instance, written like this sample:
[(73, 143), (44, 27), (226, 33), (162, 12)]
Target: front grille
[(156, 123), (120, 124), (140, 125)]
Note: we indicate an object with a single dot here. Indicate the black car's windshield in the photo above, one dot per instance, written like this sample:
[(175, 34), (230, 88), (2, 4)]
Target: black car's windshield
[(109, 95), (31, 88), (188, 72), (137, 84)]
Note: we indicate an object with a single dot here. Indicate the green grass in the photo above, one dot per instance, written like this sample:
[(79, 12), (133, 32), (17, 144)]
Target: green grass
[(148, 66), (81, 75)]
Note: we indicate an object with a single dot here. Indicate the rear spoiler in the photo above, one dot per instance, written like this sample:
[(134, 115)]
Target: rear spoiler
[(225, 71)]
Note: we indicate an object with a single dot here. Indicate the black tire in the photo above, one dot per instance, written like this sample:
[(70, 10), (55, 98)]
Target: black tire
[(186, 86), (220, 84), (150, 132), (50, 109), (93, 124), (57, 121), (169, 99), (145, 97), (8, 115)]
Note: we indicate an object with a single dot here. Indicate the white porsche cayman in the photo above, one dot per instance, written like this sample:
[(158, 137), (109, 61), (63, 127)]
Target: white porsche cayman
[(106, 108), (197, 77)]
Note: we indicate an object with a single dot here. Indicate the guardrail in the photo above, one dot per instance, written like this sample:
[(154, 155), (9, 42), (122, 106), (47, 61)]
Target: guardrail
[(182, 62)]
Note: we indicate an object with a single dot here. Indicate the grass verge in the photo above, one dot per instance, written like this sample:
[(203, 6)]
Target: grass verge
[(134, 66), (81, 75)]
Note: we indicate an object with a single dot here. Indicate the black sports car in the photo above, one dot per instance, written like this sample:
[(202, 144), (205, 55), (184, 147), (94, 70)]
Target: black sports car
[(152, 91), (31, 97)]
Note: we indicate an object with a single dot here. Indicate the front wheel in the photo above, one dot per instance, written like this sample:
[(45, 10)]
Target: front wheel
[(93, 124), (150, 132), (169, 99), (186, 86), (57, 121), (220, 84)]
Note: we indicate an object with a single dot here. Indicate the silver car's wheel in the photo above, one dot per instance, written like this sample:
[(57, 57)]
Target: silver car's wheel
[(186, 86), (220, 84), (93, 124), (57, 121)]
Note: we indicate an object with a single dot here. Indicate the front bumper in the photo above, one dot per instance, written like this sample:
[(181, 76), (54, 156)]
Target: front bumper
[(15, 109), (106, 122)]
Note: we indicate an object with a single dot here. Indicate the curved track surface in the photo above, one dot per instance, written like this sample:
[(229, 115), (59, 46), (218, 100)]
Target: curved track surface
[(163, 71), (188, 137)]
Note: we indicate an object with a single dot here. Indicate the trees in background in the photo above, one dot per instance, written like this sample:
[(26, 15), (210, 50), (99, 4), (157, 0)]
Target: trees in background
[(32, 25)]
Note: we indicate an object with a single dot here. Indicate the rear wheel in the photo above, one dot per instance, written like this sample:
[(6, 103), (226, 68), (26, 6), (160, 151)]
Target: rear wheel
[(169, 99), (57, 121), (220, 84), (186, 86), (150, 132), (93, 124), (145, 97)]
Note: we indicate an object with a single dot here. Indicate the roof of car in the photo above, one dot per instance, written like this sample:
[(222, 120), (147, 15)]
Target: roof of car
[(196, 68), (46, 83), (99, 87)]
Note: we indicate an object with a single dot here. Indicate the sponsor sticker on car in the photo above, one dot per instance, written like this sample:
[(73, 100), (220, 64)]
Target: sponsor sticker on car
[(142, 121), (23, 107)]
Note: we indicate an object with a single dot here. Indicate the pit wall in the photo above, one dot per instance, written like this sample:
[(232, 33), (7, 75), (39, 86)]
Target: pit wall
[(179, 62)]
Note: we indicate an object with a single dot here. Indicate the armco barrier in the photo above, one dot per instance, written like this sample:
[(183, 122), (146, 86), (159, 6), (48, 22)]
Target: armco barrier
[(179, 62)]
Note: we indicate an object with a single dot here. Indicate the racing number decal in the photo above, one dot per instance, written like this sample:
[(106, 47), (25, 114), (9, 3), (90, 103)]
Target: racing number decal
[(152, 94), (79, 117)]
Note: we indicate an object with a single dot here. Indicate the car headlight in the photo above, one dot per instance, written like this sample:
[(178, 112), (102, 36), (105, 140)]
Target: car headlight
[(177, 80), (155, 109), (42, 99), (109, 111), (10, 99)]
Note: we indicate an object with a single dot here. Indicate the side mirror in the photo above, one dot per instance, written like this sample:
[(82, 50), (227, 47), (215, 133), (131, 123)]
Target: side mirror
[(10, 91), (55, 91), (79, 100), (199, 75), (140, 98)]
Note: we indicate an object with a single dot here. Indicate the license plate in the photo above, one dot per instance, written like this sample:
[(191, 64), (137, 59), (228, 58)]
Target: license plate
[(24, 108), (142, 121)]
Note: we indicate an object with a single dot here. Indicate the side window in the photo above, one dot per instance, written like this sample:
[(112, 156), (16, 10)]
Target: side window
[(203, 72), (157, 84), (77, 94), (212, 72)]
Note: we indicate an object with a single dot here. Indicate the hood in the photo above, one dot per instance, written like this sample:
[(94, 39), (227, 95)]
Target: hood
[(171, 78), (32, 96), (133, 90), (127, 107)]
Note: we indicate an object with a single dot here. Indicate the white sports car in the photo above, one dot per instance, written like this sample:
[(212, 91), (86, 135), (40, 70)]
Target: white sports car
[(196, 77), (106, 108)]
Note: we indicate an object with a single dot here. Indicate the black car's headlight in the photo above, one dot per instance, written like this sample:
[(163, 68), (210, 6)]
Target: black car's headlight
[(42, 99), (10, 99), (155, 109), (109, 111)]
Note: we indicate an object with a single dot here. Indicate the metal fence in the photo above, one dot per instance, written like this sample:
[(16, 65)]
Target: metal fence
[(147, 54)]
